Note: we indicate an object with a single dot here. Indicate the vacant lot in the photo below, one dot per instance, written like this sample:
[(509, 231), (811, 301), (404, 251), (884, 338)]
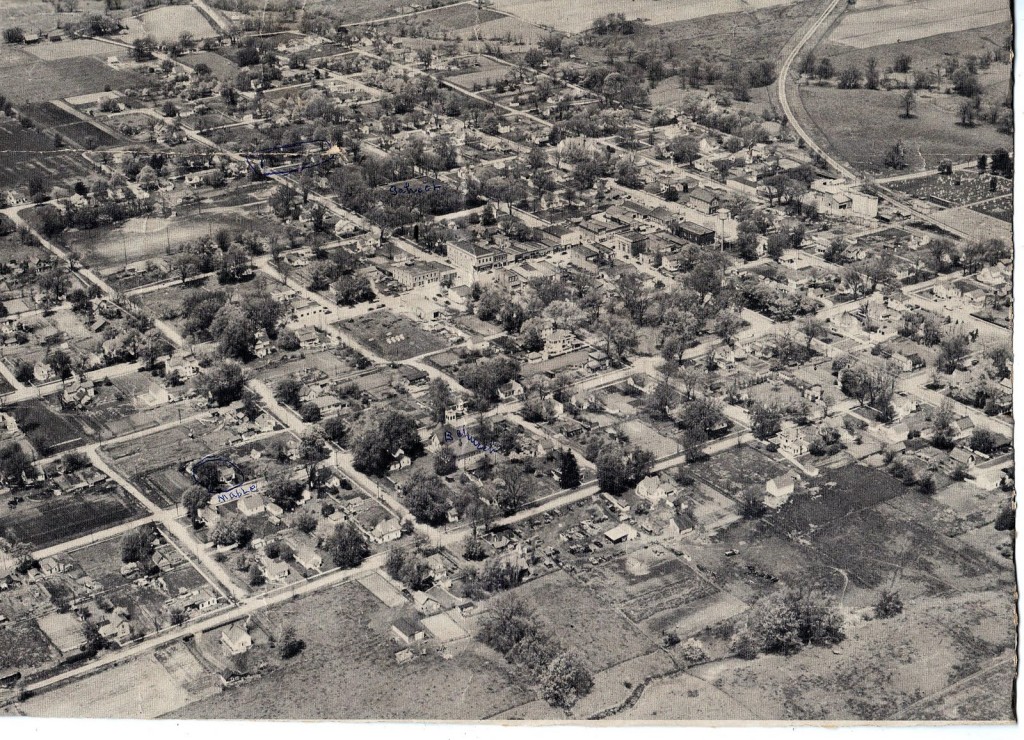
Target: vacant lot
[(348, 671), (47, 521), (860, 125), (47, 430), (143, 688), (23, 646), (898, 21), (571, 610), (737, 469)]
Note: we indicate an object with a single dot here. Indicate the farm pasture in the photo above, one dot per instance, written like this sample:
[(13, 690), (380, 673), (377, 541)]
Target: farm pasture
[(71, 49), (860, 125)]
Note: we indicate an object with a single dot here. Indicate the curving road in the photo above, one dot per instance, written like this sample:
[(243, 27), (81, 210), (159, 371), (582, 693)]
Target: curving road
[(783, 78)]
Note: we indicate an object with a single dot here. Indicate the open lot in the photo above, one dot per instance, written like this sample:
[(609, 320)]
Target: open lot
[(882, 667), (23, 646), (348, 671), (737, 469), (48, 431), (142, 688), (168, 23)]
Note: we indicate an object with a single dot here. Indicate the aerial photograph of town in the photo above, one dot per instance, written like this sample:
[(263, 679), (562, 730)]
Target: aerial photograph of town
[(507, 361)]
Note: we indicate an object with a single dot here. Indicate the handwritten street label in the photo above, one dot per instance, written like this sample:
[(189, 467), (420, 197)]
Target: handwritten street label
[(246, 489), (407, 189)]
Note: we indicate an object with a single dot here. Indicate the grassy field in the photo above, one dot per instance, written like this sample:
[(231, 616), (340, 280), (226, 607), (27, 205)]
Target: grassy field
[(23, 646), (168, 23), (860, 125), (882, 667), (31, 79), (572, 17), (348, 671), (47, 430), (355, 11), (457, 17)]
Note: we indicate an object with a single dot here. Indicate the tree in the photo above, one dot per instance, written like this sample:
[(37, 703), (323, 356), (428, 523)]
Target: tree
[(849, 78), (765, 420), (508, 621), (426, 495), (569, 471), (14, 35), (752, 505), (824, 70), (378, 434), (566, 680), (195, 498), (234, 332), (788, 619), (347, 546), (223, 382), (889, 605), (983, 441), (14, 464), (1006, 520), (965, 113), (289, 392), (516, 489), (60, 362), (684, 149), (872, 75), (288, 645), (335, 429), (137, 545), (611, 470), (896, 156), (908, 102)]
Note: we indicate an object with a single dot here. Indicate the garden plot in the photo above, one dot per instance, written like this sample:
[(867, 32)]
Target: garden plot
[(29, 153), (24, 647), (737, 469)]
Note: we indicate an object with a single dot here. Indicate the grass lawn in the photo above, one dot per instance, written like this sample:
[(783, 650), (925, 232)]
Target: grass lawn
[(860, 125), (348, 671), (391, 336)]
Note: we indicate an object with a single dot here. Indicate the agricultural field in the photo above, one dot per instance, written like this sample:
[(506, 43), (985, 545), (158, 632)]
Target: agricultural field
[(456, 17), (356, 11), (44, 519), (27, 153), (959, 189), (482, 76), (349, 648), (168, 23), (886, 22), (391, 336), (571, 17), (34, 79), (860, 125)]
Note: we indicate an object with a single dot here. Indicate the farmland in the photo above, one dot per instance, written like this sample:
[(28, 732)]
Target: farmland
[(28, 153), (348, 671), (571, 17), (167, 24), (896, 22), (44, 519), (34, 79)]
